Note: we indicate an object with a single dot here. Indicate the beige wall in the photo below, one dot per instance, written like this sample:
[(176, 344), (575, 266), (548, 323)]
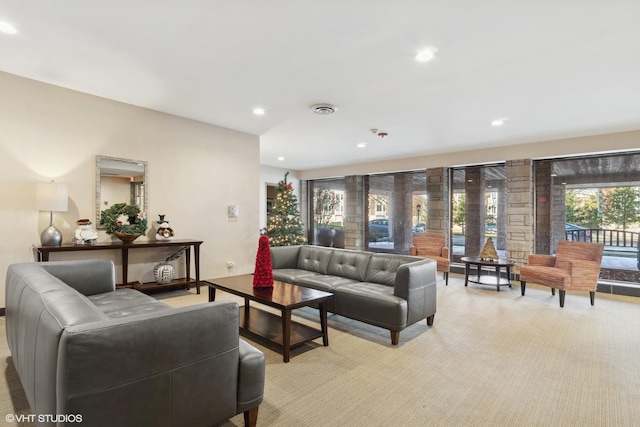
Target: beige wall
[(195, 171)]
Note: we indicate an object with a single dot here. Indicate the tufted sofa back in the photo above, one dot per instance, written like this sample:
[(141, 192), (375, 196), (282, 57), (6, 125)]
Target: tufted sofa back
[(349, 264), (313, 258), (383, 268)]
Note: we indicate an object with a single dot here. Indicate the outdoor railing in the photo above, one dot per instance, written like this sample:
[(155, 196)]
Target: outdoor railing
[(626, 240)]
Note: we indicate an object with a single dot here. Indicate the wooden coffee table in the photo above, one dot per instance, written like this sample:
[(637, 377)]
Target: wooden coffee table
[(497, 264), (278, 330)]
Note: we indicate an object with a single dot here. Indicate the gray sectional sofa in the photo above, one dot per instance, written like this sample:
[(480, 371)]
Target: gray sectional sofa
[(385, 290), (120, 357)]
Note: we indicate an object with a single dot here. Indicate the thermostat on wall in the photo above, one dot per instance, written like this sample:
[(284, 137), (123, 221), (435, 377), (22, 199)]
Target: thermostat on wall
[(232, 211)]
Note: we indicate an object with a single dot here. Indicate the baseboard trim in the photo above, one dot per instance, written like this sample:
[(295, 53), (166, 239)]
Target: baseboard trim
[(614, 288)]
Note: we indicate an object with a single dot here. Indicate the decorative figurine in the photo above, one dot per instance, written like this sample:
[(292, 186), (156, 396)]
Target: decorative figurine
[(164, 231), (489, 251), (85, 234)]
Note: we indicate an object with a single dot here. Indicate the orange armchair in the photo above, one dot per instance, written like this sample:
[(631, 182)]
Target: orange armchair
[(432, 246), (575, 266)]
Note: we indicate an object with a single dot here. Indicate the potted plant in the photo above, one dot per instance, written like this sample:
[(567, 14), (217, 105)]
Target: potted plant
[(124, 221)]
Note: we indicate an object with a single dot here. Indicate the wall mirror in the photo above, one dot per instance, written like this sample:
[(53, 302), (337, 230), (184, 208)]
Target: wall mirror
[(120, 181)]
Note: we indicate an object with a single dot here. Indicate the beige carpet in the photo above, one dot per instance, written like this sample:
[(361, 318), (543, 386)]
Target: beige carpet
[(491, 358)]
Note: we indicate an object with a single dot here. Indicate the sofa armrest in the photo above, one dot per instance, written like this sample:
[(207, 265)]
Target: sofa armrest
[(416, 282), (444, 253), (251, 376), (584, 274), (89, 277), (174, 360)]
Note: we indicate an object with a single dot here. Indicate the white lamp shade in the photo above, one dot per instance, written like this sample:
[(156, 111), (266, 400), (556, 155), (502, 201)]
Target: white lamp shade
[(51, 196)]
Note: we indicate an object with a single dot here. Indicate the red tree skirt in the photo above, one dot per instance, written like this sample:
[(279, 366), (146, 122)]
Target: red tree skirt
[(263, 273)]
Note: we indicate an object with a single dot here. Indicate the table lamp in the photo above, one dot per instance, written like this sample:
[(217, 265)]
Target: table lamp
[(51, 197)]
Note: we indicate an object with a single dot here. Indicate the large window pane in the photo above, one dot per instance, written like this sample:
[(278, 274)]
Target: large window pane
[(328, 212), (478, 209), (397, 208), (593, 199)]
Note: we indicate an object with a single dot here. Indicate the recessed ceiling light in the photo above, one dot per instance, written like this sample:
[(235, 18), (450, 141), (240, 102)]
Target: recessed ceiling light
[(281, 158), (7, 28), (499, 122), (361, 144), (323, 109), (427, 54), (259, 111)]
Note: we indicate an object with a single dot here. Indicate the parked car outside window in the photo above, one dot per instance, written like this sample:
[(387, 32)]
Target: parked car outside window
[(378, 229), (576, 233)]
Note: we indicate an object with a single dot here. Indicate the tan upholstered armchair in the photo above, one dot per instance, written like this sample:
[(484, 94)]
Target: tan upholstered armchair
[(575, 266), (432, 245)]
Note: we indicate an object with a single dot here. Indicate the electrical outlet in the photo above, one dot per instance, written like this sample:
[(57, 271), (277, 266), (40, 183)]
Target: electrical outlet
[(229, 264)]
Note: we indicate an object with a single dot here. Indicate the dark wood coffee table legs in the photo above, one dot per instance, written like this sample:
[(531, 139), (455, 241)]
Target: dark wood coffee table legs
[(278, 330)]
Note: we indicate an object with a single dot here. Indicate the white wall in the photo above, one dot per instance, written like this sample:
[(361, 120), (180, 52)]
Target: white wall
[(195, 171)]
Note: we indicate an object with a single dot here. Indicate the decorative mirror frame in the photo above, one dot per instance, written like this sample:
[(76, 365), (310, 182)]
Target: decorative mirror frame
[(99, 160)]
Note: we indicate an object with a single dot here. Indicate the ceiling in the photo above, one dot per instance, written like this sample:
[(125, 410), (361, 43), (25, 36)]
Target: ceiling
[(555, 69)]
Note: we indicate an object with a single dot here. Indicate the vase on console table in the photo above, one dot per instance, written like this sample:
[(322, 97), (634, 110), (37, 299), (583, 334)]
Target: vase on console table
[(263, 273), (127, 238), (164, 273)]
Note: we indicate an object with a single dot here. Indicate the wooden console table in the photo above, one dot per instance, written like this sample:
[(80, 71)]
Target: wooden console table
[(44, 251)]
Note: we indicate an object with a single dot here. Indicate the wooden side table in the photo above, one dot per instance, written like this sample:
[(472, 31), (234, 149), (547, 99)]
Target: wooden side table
[(43, 253), (497, 264)]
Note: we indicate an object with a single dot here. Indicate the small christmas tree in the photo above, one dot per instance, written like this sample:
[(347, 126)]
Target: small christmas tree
[(263, 273), (284, 227)]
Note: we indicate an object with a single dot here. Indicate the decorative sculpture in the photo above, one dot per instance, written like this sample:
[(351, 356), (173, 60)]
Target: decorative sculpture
[(263, 273), (489, 251)]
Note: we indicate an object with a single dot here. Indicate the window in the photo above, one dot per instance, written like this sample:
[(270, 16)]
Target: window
[(328, 207), (397, 209), (592, 199), (478, 209)]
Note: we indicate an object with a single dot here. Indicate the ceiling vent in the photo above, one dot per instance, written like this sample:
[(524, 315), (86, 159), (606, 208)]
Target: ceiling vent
[(323, 109)]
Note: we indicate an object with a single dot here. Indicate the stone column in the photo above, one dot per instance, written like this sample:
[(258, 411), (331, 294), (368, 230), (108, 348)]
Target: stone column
[(543, 204), (355, 212), (519, 210), (501, 215), (558, 213), (474, 207), (438, 201), (402, 212)]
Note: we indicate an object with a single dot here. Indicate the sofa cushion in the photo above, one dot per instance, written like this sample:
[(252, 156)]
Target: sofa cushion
[(383, 267), (349, 264), (372, 303), (324, 282), (313, 258), (292, 275), (126, 302)]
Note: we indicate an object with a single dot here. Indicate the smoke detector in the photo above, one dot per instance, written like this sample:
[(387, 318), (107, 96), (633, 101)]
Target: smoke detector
[(323, 109)]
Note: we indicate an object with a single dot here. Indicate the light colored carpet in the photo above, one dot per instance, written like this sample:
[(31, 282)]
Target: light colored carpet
[(491, 358)]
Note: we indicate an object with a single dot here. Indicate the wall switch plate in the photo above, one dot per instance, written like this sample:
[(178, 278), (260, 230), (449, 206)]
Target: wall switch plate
[(233, 210)]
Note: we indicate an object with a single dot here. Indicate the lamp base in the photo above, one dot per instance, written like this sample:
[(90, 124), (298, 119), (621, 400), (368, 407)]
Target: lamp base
[(51, 236)]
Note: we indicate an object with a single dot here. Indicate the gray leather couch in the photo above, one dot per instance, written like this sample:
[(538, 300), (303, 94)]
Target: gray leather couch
[(385, 290), (122, 358)]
